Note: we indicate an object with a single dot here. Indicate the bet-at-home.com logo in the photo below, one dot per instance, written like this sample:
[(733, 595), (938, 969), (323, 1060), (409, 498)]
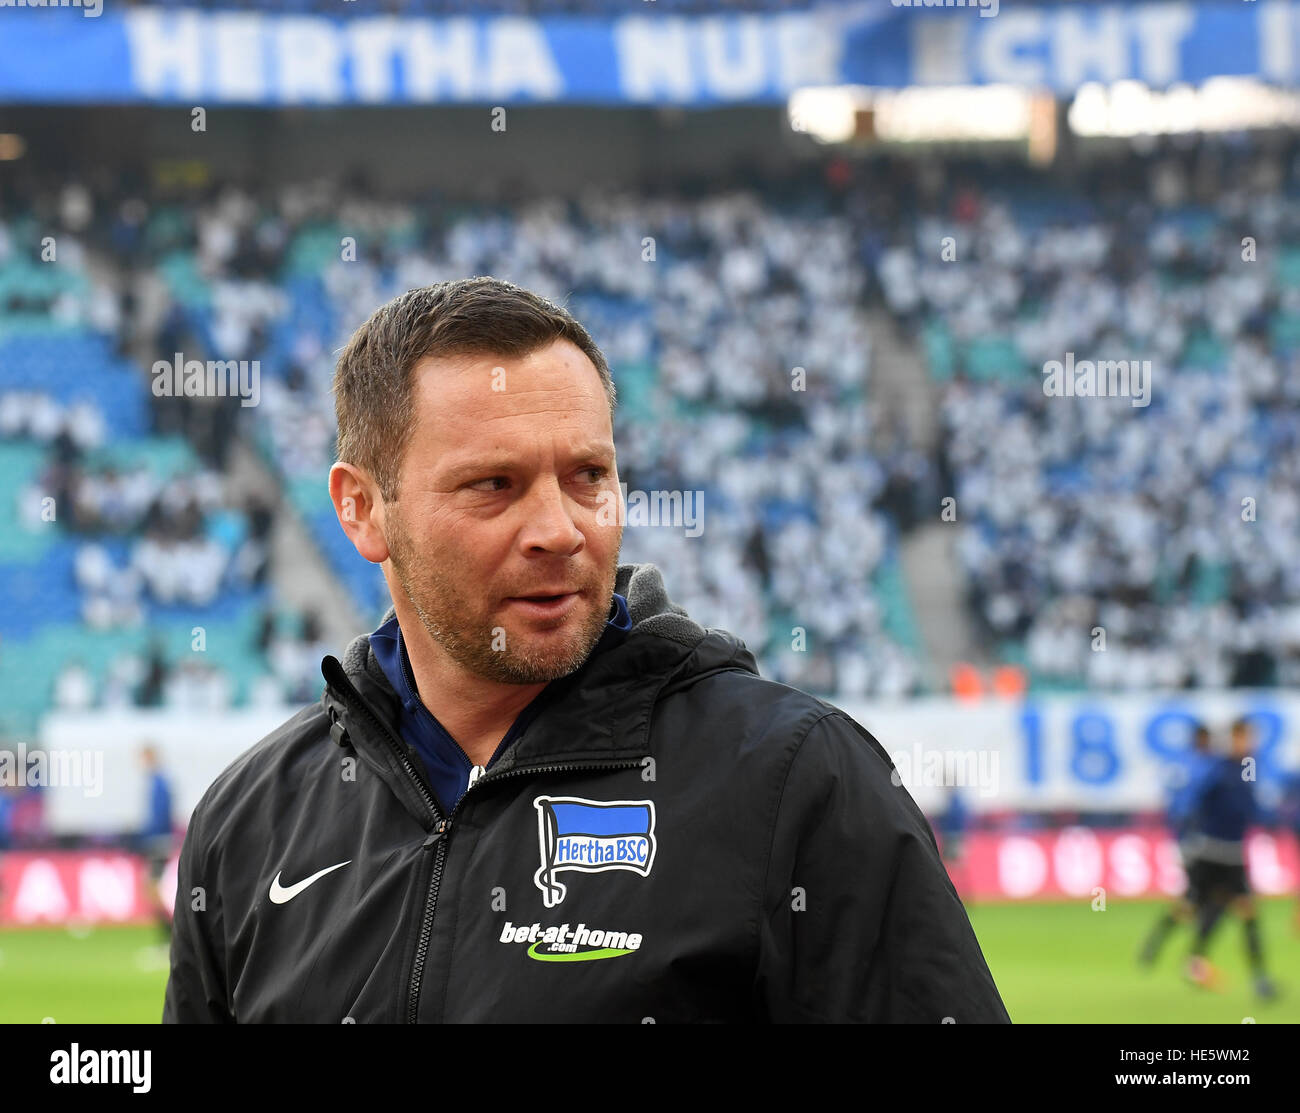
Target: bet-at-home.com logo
[(562, 944)]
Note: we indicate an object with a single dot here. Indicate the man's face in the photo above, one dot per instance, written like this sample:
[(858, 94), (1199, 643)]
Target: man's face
[(505, 534)]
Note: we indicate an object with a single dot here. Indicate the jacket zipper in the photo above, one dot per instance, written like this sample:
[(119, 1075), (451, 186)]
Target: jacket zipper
[(436, 838)]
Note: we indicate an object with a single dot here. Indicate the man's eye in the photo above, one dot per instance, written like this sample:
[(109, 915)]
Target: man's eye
[(595, 474), (495, 483)]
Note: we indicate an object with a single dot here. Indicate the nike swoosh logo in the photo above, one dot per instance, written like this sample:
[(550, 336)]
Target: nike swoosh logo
[(577, 956), (281, 895)]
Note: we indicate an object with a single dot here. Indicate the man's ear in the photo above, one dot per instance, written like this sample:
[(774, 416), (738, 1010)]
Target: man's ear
[(360, 510)]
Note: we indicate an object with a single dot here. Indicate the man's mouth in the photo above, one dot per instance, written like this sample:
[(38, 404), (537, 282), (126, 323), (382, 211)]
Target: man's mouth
[(545, 604)]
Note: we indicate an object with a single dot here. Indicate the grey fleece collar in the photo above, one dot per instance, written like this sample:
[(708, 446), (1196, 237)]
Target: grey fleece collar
[(642, 585)]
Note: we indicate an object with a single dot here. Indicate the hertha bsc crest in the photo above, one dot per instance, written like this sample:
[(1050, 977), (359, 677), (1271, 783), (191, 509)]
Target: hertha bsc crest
[(591, 836)]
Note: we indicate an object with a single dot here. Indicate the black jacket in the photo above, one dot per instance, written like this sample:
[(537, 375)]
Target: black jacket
[(702, 844)]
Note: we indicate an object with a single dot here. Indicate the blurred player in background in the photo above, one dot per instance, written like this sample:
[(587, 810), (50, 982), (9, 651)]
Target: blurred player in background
[(1190, 775), (1289, 815), (952, 826), (156, 836), (1224, 807), (7, 797)]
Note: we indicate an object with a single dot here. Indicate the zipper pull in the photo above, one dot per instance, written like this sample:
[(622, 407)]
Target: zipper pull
[(475, 774), (436, 834)]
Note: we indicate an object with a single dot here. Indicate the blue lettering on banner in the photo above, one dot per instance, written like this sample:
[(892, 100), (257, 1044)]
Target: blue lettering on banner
[(191, 56), (1087, 747)]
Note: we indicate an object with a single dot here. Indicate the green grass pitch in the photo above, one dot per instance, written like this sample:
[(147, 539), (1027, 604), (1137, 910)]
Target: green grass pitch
[(1063, 962), (82, 976), (1056, 962)]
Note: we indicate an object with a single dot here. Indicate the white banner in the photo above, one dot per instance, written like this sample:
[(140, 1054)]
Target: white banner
[(1085, 753), (193, 748), (1090, 752)]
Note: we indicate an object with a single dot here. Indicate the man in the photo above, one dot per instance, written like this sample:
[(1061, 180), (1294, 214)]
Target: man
[(1191, 772), (1225, 808), (952, 826), (540, 791), (1289, 815), (155, 836)]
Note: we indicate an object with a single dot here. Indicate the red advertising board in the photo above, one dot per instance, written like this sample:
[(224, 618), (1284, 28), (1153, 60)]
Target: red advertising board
[(1126, 862), (70, 887)]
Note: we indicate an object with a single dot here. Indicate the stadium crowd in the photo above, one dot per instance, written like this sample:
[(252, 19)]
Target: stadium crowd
[(735, 321), (144, 537), (1168, 534)]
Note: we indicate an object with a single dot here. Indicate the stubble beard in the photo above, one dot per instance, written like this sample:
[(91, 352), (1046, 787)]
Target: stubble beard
[(469, 639)]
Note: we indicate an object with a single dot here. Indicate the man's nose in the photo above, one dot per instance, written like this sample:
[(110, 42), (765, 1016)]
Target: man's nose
[(548, 524)]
